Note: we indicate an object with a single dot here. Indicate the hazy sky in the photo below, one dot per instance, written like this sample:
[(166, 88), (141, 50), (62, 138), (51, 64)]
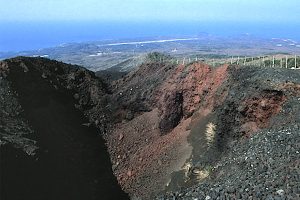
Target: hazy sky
[(140, 10)]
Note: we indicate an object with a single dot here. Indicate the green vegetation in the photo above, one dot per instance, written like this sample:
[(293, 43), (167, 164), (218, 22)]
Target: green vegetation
[(158, 57)]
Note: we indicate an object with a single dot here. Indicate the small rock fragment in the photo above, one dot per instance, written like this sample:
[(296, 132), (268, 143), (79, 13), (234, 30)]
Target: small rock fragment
[(121, 136), (207, 198), (280, 192), (159, 162), (129, 173), (44, 75), (76, 96)]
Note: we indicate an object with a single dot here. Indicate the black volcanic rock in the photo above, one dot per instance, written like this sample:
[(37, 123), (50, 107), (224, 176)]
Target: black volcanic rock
[(40, 115), (174, 112)]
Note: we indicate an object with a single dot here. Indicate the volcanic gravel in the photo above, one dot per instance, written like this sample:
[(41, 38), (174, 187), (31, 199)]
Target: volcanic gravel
[(265, 166)]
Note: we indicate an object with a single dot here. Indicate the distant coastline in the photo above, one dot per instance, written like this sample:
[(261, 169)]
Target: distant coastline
[(149, 42)]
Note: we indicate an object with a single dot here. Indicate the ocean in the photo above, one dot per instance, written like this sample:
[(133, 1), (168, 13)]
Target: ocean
[(19, 36)]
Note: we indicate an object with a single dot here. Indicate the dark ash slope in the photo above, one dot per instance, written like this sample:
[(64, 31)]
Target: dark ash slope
[(69, 160)]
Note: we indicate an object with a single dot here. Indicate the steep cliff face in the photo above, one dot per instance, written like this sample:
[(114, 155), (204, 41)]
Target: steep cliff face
[(45, 105), (197, 85)]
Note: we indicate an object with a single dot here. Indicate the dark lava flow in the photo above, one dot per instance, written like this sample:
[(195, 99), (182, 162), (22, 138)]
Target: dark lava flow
[(71, 162)]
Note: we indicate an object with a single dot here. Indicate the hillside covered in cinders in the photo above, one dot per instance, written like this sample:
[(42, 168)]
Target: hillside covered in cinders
[(165, 131)]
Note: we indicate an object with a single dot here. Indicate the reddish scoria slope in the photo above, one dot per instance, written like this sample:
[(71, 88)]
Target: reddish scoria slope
[(143, 154), (196, 84)]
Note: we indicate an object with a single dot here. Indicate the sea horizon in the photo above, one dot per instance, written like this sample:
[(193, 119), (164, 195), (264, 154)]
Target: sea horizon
[(26, 36)]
